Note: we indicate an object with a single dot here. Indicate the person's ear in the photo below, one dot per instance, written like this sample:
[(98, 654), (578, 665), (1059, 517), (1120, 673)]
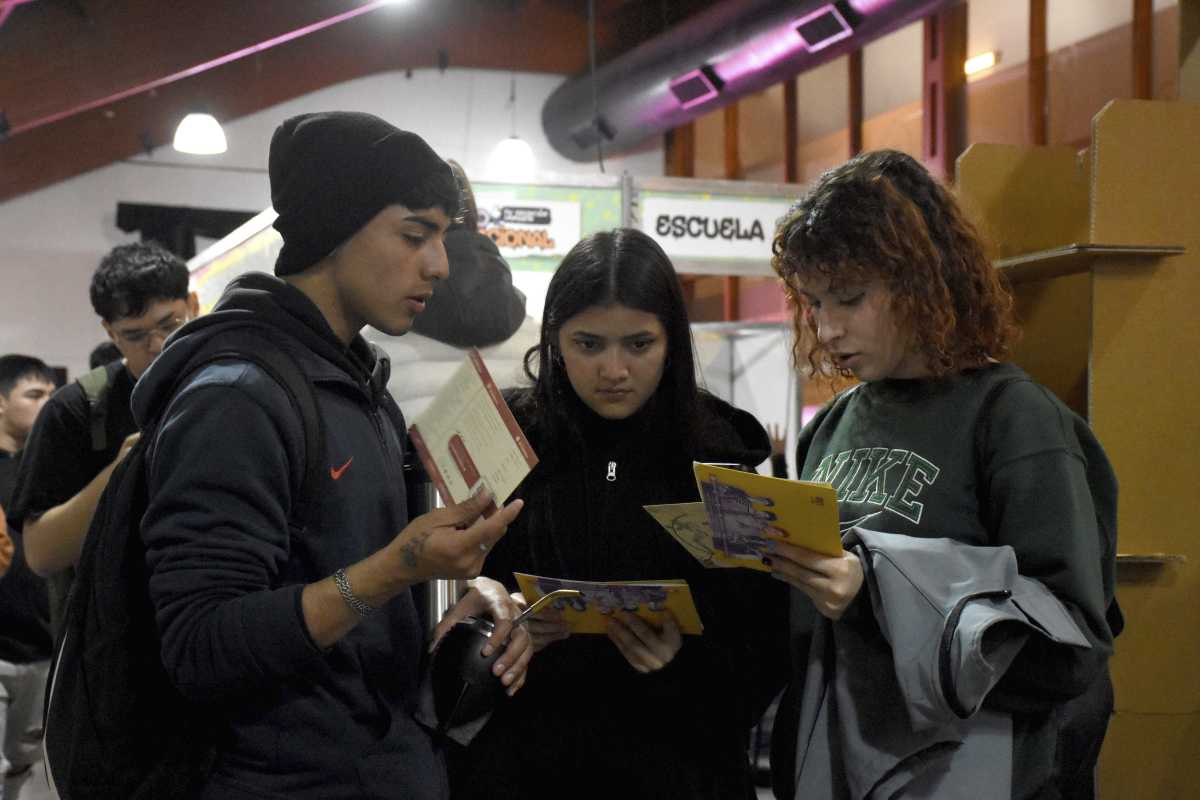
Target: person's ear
[(193, 305), (112, 336)]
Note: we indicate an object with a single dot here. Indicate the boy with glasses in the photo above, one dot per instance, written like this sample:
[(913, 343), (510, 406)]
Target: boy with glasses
[(140, 292)]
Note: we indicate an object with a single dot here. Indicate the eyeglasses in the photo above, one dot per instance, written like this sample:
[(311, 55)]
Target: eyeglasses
[(141, 338)]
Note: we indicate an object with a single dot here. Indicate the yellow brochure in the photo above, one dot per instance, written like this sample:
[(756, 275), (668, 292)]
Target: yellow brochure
[(589, 613), (688, 524), (744, 510)]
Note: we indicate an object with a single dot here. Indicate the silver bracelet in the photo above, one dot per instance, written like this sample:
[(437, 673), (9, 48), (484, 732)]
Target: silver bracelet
[(352, 600)]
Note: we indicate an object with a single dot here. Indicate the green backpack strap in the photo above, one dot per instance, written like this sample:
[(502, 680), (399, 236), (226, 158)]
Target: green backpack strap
[(95, 388)]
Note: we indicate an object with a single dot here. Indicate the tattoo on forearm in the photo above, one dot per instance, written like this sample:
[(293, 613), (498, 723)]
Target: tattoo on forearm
[(411, 551)]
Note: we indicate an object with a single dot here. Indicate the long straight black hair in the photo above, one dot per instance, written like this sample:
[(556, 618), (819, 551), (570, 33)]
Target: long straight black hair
[(619, 267)]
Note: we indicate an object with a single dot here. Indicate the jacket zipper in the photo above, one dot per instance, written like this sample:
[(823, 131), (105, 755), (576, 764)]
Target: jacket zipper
[(376, 414), (612, 472)]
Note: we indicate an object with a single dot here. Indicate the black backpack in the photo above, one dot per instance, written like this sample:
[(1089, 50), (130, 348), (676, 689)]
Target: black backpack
[(96, 384), (116, 728)]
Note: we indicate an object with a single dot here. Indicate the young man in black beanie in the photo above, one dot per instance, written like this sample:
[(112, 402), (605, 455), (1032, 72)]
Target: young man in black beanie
[(306, 644)]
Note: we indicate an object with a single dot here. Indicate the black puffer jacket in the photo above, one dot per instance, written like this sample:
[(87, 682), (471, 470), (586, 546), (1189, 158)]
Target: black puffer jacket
[(227, 569), (586, 721)]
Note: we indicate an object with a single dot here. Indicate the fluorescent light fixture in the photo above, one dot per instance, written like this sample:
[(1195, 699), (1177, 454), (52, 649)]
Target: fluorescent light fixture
[(696, 87), (512, 161), (981, 62), (823, 27), (200, 135)]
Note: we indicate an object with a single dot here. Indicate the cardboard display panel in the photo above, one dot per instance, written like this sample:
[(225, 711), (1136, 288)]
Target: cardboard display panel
[(1114, 332)]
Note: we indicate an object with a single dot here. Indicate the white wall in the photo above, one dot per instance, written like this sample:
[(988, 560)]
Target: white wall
[(52, 239), (752, 369)]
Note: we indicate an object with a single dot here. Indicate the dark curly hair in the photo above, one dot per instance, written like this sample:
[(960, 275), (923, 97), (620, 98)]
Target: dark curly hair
[(132, 276), (882, 215)]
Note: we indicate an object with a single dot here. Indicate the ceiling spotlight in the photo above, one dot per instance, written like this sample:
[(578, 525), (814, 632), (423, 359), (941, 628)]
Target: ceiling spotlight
[(200, 134)]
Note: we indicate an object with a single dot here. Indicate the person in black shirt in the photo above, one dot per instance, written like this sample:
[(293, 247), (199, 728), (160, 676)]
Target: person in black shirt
[(302, 637), (140, 292), (616, 419), (25, 644), (944, 447)]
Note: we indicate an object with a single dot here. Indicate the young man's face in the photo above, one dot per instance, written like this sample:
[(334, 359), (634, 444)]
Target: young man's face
[(20, 407), (384, 274), (140, 339)]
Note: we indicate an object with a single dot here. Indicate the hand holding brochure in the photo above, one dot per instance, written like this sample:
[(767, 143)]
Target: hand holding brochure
[(468, 438), (589, 613), (741, 511)]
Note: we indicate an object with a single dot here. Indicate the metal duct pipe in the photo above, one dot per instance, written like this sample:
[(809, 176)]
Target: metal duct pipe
[(733, 49)]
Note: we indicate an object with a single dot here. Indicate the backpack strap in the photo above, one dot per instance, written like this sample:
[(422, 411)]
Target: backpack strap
[(95, 384), (253, 342)]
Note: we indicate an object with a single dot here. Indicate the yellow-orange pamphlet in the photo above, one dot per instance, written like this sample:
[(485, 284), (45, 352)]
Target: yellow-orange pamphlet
[(589, 613), (741, 511)]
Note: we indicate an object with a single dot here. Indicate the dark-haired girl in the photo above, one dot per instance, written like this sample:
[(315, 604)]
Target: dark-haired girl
[(616, 419), (958, 647)]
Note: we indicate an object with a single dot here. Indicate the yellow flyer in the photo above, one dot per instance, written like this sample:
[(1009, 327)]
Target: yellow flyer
[(589, 612), (688, 524), (744, 510)]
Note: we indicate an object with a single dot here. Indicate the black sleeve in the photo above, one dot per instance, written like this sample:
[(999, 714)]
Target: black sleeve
[(500, 559), (216, 531), (513, 548), (477, 305), (57, 461), (1038, 501), (752, 630)]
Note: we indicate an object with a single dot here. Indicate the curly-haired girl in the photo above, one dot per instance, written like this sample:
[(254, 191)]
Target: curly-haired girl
[(958, 646)]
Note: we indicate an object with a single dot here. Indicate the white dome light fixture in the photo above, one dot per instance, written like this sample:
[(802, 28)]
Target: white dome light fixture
[(512, 159), (200, 134)]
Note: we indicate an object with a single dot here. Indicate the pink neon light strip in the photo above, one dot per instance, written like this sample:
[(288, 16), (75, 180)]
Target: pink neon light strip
[(199, 68), (7, 6)]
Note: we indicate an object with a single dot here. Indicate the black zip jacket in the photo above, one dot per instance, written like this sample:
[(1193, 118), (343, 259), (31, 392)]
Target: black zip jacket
[(586, 724), (227, 568)]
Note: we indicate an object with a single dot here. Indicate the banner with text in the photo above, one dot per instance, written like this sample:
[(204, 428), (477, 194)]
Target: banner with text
[(524, 227), (711, 227)]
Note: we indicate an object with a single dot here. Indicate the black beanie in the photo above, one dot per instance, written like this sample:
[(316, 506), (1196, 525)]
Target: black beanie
[(332, 172)]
